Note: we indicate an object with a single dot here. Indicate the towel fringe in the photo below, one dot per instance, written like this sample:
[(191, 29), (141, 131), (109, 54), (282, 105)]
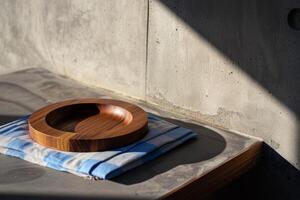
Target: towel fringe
[(94, 178)]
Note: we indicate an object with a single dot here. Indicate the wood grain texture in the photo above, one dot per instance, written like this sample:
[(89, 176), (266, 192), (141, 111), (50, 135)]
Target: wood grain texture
[(88, 125)]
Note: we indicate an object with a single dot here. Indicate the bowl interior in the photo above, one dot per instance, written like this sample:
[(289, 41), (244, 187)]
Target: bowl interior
[(88, 118)]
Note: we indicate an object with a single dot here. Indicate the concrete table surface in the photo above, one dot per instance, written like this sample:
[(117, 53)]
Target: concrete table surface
[(23, 92)]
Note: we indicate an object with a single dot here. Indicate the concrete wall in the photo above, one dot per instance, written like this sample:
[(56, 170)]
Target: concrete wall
[(232, 64), (102, 43)]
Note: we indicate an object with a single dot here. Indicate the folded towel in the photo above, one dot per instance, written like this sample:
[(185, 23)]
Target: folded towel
[(162, 137)]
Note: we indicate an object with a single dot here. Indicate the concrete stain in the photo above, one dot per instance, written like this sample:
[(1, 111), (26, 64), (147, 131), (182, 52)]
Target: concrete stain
[(222, 119)]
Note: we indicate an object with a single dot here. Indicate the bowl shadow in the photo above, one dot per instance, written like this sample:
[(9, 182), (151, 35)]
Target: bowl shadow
[(207, 145)]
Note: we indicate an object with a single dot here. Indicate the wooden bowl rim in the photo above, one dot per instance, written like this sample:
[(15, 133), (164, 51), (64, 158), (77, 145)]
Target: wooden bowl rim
[(135, 124)]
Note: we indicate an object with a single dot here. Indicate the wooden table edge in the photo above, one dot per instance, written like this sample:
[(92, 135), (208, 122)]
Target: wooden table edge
[(204, 184)]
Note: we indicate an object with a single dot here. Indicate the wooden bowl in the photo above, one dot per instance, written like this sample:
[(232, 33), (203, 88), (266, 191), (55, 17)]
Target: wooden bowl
[(88, 125)]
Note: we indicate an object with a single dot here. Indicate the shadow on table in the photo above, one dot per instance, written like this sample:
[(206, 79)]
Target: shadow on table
[(61, 197), (207, 145), (8, 118)]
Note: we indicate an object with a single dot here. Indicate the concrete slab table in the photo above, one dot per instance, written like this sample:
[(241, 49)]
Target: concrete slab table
[(192, 170)]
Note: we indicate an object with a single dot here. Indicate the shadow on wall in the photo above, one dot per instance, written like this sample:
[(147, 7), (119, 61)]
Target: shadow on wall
[(255, 35), (262, 39)]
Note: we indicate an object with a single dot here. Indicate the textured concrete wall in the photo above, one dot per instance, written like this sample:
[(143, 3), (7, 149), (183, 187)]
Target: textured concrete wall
[(101, 43), (233, 64), (16, 39)]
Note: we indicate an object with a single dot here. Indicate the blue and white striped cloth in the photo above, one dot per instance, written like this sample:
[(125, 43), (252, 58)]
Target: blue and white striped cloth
[(162, 137)]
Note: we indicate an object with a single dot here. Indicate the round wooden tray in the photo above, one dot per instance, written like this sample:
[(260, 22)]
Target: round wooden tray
[(88, 125)]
